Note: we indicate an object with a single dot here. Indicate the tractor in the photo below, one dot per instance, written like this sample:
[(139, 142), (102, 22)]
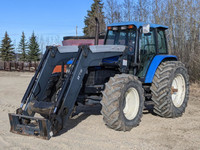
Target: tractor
[(131, 68)]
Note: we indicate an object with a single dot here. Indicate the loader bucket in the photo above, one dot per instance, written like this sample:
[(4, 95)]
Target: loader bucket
[(37, 127)]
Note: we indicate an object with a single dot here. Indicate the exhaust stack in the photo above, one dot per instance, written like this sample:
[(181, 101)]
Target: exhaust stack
[(96, 42)]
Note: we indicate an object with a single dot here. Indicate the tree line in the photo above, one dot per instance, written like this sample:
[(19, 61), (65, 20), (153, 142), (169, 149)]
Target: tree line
[(28, 51), (182, 18)]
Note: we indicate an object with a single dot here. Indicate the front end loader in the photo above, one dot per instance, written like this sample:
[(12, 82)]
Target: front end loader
[(60, 109)]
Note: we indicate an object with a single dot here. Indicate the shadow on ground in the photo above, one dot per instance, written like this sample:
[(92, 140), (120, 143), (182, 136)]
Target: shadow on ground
[(148, 108), (82, 112)]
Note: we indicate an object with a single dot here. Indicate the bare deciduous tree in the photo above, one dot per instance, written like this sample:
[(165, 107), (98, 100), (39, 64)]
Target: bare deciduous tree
[(113, 11)]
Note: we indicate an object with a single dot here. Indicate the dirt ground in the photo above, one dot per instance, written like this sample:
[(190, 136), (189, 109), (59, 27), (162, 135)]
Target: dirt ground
[(87, 130)]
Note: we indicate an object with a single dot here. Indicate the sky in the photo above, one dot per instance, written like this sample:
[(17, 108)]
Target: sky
[(51, 20)]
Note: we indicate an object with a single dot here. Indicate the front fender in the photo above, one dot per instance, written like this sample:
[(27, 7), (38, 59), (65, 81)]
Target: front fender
[(157, 60)]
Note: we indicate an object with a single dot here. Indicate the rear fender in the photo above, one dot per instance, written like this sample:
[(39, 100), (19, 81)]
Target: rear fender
[(157, 60)]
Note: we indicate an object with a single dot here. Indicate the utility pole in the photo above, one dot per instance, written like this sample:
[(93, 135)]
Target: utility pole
[(76, 31)]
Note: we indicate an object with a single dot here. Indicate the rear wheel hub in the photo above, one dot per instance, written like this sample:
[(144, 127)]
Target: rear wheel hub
[(178, 90)]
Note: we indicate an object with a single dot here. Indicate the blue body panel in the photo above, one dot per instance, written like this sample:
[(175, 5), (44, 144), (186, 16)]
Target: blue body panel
[(69, 62), (151, 70), (105, 60), (137, 24), (111, 59), (154, 65)]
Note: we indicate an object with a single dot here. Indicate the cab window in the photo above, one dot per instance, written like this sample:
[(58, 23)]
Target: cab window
[(121, 37), (147, 43), (162, 47), (111, 37)]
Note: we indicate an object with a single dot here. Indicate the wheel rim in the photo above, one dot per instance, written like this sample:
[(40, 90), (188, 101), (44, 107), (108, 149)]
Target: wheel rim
[(132, 104), (178, 90)]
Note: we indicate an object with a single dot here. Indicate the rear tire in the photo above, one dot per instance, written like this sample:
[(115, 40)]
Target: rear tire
[(122, 102), (170, 89)]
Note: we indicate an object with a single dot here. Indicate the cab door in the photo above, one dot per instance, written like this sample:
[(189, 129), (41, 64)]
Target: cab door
[(147, 51)]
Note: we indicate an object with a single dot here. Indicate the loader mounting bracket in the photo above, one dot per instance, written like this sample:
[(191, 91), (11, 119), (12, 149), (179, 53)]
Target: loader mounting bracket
[(37, 127)]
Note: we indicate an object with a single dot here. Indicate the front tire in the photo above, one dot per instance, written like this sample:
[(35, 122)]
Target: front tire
[(170, 89), (122, 102)]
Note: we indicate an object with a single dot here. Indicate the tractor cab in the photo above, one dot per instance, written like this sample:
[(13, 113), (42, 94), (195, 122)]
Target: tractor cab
[(144, 42)]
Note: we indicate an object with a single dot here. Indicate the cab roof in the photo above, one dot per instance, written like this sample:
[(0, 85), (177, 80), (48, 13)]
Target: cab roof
[(137, 24)]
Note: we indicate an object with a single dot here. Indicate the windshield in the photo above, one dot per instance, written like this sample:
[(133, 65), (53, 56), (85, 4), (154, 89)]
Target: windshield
[(121, 37)]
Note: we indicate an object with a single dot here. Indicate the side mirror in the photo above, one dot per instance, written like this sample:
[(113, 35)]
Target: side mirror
[(146, 28)]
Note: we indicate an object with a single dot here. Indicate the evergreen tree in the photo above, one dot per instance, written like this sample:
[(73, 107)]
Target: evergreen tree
[(7, 50), (34, 51), (90, 23), (23, 46)]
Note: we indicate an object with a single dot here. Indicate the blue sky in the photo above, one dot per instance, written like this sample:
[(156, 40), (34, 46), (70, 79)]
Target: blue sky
[(49, 19)]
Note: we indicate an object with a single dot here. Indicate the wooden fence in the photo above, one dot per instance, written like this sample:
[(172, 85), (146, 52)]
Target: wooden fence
[(18, 66)]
